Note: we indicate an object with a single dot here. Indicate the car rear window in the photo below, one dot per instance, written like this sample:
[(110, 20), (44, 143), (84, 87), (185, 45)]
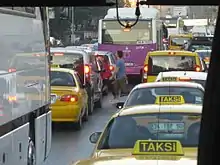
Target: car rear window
[(71, 61), (124, 131), (67, 58), (157, 64), (59, 78), (179, 41), (146, 96), (103, 58)]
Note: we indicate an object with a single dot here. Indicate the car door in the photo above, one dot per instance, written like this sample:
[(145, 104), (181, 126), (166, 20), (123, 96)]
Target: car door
[(82, 89), (100, 69), (95, 75)]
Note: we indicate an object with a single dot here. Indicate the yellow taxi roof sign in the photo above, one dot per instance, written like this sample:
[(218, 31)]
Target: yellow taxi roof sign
[(158, 147), (170, 99), (55, 65), (169, 79)]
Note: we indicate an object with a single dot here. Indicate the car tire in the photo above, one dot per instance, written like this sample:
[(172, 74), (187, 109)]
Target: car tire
[(90, 105), (78, 124), (31, 153), (86, 115)]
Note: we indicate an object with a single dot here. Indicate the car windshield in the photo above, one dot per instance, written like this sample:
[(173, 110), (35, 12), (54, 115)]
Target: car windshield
[(59, 78), (200, 47), (163, 63), (113, 33), (179, 41), (145, 96), (124, 131)]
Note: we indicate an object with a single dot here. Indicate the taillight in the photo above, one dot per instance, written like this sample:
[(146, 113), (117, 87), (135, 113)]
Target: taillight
[(12, 98), (69, 98), (111, 68), (11, 70), (86, 69), (197, 68), (165, 40), (145, 68)]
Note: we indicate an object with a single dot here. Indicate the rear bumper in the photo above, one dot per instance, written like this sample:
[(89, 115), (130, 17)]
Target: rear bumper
[(133, 70), (66, 113)]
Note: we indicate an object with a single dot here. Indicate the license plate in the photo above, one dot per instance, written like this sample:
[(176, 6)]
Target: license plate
[(169, 79), (53, 98), (129, 64), (168, 127)]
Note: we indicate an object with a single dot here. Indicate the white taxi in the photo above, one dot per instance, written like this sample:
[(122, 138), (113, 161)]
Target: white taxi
[(190, 76), (146, 93)]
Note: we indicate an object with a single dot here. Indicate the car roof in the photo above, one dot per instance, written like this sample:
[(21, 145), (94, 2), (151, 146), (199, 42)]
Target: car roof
[(191, 74), (102, 52), (209, 50), (168, 84), (137, 160), (65, 50), (63, 70), (155, 108), (177, 52)]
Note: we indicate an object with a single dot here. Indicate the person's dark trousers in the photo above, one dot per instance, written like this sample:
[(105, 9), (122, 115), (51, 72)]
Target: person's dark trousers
[(121, 85)]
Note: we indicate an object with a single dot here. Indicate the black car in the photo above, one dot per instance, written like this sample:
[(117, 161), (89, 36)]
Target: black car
[(87, 68), (200, 43)]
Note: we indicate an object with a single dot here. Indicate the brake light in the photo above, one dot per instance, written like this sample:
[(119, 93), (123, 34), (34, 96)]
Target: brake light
[(111, 68), (86, 69), (58, 54), (146, 68), (11, 70), (171, 53), (197, 68), (164, 40), (69, 98), (12, 98)]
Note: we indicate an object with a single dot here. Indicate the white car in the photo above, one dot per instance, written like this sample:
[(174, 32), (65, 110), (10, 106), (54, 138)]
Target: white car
[(197, 77), (146, 93)]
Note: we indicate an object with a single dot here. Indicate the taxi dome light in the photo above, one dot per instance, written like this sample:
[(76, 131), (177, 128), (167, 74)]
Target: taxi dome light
[(158, 147), (184, 79), (170, 100)]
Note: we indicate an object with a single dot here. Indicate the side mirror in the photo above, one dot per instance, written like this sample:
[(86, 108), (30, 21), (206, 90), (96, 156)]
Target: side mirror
[(119, 105), (94, 137)]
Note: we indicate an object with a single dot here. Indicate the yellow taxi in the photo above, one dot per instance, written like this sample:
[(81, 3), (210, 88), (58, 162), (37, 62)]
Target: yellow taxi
[(30, 75), (171, 60), (176, 42), (69, 99), (168, 119), (151, 152)]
